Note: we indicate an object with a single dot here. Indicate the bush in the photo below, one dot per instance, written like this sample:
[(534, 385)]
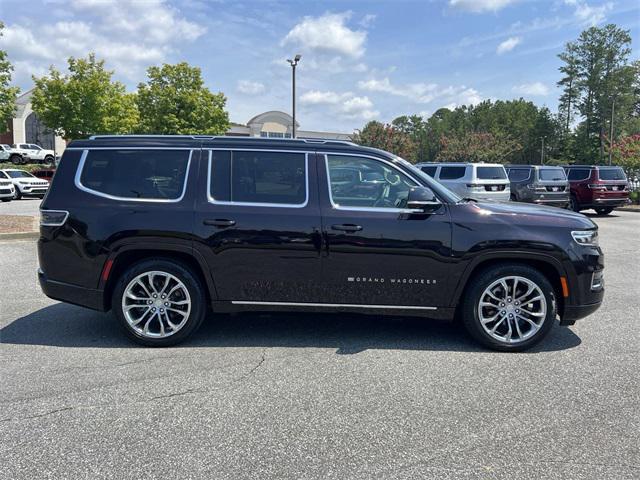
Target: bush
[(635, 196), (29, 167)]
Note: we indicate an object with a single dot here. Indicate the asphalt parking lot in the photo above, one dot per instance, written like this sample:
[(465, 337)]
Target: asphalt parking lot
[(318, 396)]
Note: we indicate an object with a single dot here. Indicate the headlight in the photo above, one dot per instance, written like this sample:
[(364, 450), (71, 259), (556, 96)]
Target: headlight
[(586, 237)]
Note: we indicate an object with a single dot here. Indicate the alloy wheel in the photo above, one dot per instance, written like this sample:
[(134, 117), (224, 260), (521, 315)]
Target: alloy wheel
[(512, 309), (156, 304)]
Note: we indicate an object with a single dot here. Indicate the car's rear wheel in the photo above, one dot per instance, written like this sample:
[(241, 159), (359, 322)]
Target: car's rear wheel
[(48, 159), (7, 199), (573, 203), (509, 307), (159, 302), (16, 159), (603, 210)]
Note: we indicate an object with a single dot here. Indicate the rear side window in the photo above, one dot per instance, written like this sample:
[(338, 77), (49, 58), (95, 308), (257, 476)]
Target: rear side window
[(615, 173), (518, 174), (491, 173), (431, 171), (452, 173), (258, 177), (136, 174), (551, 174), (578, 173)]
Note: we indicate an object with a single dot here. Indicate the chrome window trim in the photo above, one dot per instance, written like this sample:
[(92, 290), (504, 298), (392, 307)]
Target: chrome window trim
[(213, 201), (97, 193), (332, 305), (124, 147), (364, 209)]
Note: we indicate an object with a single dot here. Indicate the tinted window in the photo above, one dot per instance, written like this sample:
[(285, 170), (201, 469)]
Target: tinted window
[(615, 173), (259, 177), (452, 173), (578, 173), (368, 183), (518, 174), (491, 173), (148, 174), (431, 171), (551, 174)]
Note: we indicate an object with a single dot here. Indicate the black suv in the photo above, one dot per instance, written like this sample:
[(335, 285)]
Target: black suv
[(159, 229), (540, 184)]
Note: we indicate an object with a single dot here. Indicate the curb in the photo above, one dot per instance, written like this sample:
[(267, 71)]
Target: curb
[(637, 210), (20, 236)]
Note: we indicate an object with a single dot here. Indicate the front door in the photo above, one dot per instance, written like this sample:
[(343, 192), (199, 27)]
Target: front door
[(258, 223), (376, 252)]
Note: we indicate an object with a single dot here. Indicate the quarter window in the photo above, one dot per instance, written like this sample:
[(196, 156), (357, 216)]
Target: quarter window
[(518, 174), (452, 173), (258, 177), (136, 174), (431, 171), (578, 173), (365, 182)]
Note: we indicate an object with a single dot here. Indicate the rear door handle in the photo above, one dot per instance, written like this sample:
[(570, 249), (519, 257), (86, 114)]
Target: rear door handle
[(220, 222), (347, 227)]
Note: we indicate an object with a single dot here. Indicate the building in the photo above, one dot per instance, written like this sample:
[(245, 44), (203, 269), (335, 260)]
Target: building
[(275, 124), (26, 127)]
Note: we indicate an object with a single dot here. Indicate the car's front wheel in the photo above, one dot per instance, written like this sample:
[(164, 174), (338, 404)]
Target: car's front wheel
[(509, 307), (17, 159), (159, 302), (17, 194)]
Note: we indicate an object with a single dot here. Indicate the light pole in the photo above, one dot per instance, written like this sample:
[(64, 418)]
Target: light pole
[(542, 152), (293, 64), (613, 109)]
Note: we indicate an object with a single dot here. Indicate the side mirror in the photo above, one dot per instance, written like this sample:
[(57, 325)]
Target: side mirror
[(423, 199)]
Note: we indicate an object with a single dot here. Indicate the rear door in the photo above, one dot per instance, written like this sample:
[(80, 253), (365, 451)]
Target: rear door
[(377, 254), (257, 222)]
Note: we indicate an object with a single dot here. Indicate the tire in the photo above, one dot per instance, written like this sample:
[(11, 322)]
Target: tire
[(525, 333), (512, 198), (17, 195), (603, 210), (48, 160), (16, 159), (162, 269), (573, 204), (6, 199)]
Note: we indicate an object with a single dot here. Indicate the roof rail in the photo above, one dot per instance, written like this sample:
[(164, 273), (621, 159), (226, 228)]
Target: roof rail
[(226, 137)]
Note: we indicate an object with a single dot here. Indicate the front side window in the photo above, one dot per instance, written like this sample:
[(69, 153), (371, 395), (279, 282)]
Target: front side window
[(35, 147), (258, 177), (136, 174), (365, 182), (518, 174), (579, 173), (452, 173)]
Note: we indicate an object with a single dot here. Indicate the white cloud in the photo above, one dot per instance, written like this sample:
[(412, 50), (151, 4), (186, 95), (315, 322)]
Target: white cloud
[(250, 88), (535, 88), (346, 104), (508, 45), (316, 97), (479, 6), (588, 15), (359, 107), (423, 93), (130, 35), (328, 33)]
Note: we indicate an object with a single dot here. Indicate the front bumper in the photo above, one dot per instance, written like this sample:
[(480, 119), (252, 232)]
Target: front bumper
[(65, 292)]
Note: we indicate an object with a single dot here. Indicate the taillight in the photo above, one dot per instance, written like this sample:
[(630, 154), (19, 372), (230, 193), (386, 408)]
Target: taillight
[(596, 186), (537, 188), (474, 185)]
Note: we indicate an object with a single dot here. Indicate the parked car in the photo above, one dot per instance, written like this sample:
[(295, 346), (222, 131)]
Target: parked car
[(25, 184), (5, 151), (598, 187), (30, 152), (6, 187), (480, 181), (540, 184), (45, 174)]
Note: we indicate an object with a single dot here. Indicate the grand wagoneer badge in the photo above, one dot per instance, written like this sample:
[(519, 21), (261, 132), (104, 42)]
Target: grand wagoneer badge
[(393, 280)]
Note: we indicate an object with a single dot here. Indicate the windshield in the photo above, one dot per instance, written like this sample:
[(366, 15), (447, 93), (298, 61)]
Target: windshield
[(19, 174), (552, 174), (491, 173), (614, 173), (440, 189), (3, 175)]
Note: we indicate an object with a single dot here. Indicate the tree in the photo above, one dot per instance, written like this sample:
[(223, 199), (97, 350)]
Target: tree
[(386, 137), (8, 94), (477, 147), (416, 128), (626, 153), (175, 101), (85, 101)]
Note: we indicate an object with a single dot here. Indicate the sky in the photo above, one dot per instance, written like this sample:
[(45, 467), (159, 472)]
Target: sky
[(361, 60)]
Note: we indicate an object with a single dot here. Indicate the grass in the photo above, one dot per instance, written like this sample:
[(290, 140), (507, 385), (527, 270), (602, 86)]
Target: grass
[(29, 167)]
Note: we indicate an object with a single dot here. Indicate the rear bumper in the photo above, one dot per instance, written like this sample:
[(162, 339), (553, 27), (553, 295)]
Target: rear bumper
[(74, 294)]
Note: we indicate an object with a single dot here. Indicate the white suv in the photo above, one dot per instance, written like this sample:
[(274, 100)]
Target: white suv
[(480, 181), (33, 152), (25, 184), (7, 191), (5, 151)]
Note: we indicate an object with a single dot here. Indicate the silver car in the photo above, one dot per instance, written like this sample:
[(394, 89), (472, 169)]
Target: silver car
[(480, 181)]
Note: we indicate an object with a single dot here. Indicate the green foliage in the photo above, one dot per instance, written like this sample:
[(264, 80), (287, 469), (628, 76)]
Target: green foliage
[(386, 137), (8, 94), (175, 101), (29, 167), (85, 101), (626, 152), (477, 147)]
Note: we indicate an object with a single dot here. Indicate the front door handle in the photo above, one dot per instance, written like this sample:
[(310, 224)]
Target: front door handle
[(220, 222), (347, 227)]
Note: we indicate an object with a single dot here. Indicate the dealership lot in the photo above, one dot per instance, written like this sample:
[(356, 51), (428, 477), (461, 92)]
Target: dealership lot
[(317, 396)]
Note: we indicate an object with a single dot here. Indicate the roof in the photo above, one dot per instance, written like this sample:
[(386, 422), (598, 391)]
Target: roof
[(458, 164)]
